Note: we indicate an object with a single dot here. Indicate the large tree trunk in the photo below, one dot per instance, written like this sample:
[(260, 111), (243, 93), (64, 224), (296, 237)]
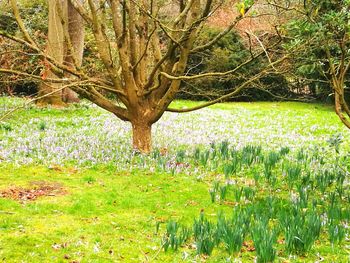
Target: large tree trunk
[(142, 136), (55, 48), (76, 34)]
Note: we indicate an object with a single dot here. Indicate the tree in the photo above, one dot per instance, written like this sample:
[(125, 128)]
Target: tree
[(75, 54), (55, 48), (325, 26), (62, 19), (144, 51)]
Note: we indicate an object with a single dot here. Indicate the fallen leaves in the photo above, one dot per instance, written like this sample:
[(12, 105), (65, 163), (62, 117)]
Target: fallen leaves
[(59, 246), (36, 190), (192, 203), (248, 246), (57, 168), (64, 245)]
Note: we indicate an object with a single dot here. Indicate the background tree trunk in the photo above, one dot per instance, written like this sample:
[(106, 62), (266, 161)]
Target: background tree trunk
[(55, 48), (76, 33)]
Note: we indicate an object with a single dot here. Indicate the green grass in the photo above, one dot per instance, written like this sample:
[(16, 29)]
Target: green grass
[(117, 211), (110, 209), (113, 216), (292, 115)]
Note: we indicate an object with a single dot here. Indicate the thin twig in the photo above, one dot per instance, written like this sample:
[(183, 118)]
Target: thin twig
[(7, 213)]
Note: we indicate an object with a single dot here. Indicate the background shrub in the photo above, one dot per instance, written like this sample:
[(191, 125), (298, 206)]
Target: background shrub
[(228, 53)]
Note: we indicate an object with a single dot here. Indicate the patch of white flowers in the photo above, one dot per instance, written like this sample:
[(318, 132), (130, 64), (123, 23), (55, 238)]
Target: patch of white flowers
[(99, 137)]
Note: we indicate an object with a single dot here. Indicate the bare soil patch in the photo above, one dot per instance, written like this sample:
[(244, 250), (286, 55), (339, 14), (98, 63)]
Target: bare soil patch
[(31, 193)]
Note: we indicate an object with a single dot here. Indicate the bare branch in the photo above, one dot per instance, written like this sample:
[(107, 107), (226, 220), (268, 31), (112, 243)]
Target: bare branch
[(80, 9), (213, 74), (221, 34), (221, 99), (20, 23)]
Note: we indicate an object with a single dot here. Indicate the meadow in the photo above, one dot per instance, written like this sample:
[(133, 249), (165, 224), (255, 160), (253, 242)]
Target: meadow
[(236, 182)]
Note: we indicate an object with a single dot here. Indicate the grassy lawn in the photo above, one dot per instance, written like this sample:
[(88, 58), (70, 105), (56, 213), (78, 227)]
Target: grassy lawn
[(103, 216), (278, 163)]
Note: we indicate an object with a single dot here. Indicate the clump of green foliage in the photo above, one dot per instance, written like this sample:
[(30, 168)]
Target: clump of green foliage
[(264, 239), (175, 236)]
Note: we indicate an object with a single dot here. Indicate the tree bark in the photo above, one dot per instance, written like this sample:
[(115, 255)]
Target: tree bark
[(55, 48), (76, 34), (142, 136)]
